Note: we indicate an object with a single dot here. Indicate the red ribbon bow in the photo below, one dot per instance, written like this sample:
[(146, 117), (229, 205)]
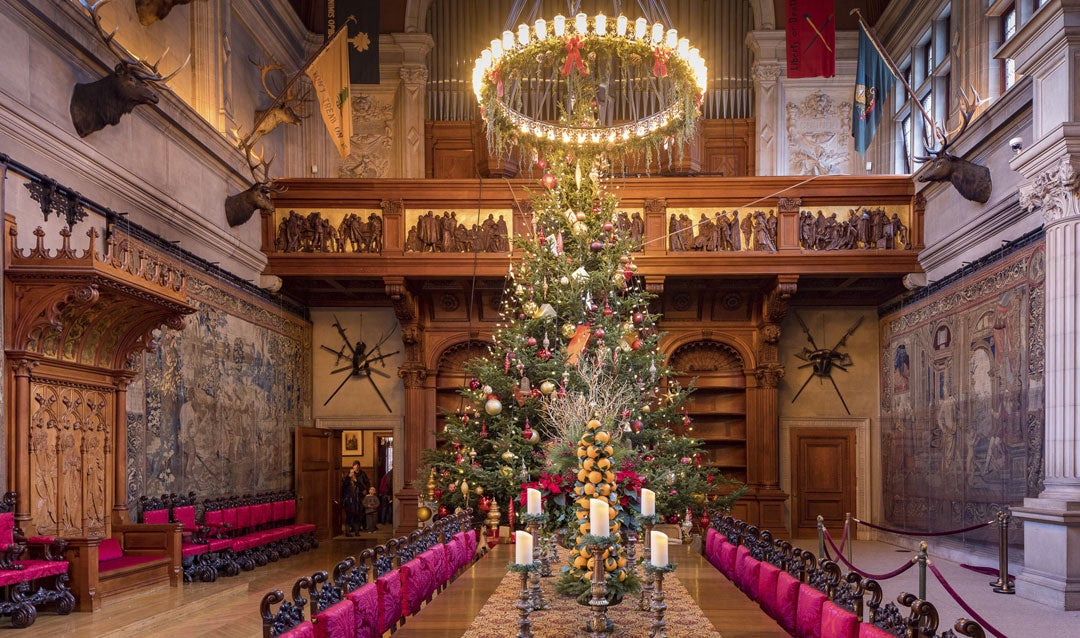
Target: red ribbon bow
[(661, 54), (573, 57), (496, 76)]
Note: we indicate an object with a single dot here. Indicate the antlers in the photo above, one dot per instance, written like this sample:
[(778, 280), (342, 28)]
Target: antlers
[(257, 164), (967, 111), (150, 70)]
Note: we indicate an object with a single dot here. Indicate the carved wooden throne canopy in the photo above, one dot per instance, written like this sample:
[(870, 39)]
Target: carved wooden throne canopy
[(73, 321)]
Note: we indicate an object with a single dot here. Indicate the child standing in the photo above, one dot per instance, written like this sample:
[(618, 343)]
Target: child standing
[(371, 509)]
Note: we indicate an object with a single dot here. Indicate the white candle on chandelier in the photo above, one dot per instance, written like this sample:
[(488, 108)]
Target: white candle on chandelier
[(560, 26), (485, 59), (581, 23), (601, 24), (541, 29), (620, 26), (496, 49), (599, 521), (640, 25), (508, 41), (533, 502), (523, 34), (523, 552), (672, 39), (648, 502), (657, 33), (658, 549), (683, 48)]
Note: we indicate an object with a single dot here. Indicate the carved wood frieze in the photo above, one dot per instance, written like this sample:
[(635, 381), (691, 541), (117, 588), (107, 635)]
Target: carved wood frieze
[(706, 356)]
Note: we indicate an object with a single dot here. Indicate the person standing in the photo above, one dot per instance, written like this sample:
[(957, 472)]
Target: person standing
[(351, 495), (371, 510), (386, 495)]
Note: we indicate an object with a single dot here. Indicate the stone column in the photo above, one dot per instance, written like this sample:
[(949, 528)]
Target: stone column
[(415, 440), (120, 514), (412, 100), (769, 54), (20, 466), (1051, 572)]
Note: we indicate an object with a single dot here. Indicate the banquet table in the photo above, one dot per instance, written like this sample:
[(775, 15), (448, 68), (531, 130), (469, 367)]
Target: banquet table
[(451, 613)]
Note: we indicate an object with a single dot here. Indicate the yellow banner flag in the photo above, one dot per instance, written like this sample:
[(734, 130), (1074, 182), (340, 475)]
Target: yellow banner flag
[(329, 73)]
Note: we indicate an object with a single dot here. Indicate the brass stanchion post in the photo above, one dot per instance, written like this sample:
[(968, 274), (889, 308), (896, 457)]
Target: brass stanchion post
[(921, 558), (820, 537), (1002, 584), (850, 537)]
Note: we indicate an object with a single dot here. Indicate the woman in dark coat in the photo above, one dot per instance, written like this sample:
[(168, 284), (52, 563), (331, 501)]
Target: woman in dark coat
[(352, 495)]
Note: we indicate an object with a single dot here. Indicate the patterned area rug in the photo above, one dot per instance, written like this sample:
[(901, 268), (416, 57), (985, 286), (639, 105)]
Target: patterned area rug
[(499, 617)]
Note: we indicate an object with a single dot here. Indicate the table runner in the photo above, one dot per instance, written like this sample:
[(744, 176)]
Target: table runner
[(498, 618)]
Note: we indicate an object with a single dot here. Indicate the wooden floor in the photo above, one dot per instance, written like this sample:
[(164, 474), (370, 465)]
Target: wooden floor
[(230, 606)]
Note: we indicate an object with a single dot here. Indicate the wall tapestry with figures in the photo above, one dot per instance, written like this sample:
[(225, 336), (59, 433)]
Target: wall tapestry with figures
[(962, 399), (214, 406)]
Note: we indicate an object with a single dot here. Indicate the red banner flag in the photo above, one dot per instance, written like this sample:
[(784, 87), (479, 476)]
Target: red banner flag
[(811, 39)]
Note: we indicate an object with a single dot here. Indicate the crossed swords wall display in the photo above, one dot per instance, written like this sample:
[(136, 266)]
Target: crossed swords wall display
[(817, 30), (361, 361), (821, 361)]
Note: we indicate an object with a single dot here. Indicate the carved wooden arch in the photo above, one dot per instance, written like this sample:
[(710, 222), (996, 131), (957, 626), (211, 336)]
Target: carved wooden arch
[(453, 358), (706, 355), (736, 345)]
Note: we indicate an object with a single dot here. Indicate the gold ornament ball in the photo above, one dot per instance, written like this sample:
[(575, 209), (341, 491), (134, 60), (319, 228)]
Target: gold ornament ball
[(479, 490), (423, 513), (508, 456), (564, 280), (580, 216), (646, 408), (493, 407), (699, 499), (530, 308), (568, 330), (547, 387)]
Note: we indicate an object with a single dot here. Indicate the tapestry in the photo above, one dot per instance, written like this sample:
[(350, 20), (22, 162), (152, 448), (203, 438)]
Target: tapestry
[(214, 406), (962, 399)]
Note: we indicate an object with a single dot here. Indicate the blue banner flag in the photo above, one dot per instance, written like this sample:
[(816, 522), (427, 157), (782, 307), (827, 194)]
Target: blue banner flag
[(873, 79)]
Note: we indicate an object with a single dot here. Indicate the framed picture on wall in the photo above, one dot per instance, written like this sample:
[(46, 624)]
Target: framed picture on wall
[(352, 443)]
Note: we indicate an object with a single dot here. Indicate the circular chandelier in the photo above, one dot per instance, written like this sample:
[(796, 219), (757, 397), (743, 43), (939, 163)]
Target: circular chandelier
[(587, 84)]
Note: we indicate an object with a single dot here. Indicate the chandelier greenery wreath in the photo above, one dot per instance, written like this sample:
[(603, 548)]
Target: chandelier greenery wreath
[(591, 84)]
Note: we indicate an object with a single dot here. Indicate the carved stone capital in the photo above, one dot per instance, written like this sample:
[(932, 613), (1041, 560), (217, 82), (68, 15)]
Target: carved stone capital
[(766, 72), (413, 377), (392, 207), (789, 204), (22, 367), (655, 205), (413, 75), (769, 375), (403, 300), (1055, 191), (776, 301)]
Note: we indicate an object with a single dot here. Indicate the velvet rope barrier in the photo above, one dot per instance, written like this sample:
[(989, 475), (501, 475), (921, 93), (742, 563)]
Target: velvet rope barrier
[(865, 574), (960, 601), (843, 540), (911, 533)]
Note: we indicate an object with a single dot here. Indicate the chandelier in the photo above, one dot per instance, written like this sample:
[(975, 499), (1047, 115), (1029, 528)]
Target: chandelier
[(591, 84)]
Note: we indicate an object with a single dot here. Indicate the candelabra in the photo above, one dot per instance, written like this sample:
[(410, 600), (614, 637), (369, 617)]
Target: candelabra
[(524, 604), (658, 606), (598, 625), (647, 522), (533, 521)]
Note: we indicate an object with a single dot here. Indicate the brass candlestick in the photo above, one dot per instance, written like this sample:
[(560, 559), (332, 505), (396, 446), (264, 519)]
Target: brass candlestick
[(539, 559), (524, 606), (658, 606), (645, 604), (598, 603)]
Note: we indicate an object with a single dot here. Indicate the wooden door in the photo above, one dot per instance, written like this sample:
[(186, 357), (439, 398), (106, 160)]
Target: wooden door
[(318, 456), (823, 479)]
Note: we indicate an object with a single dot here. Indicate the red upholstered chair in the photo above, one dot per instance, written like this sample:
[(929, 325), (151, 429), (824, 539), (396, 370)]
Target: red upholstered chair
[(419, 579), (336, 621), (741, 554), (727, 559), (837, 622), (751, 569), (786, 602), (366, 614), (766, 591), (866, 630), (808, 614), (710, 545), (389, 588)]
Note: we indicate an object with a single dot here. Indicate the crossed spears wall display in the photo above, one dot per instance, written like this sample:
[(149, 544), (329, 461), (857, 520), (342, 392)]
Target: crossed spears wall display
[(361, 359), (822, 361)]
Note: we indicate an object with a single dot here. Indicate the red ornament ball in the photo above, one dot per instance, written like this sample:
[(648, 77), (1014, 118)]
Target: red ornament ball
[(444, 510), (638, 317), (474, 384), (541, 163), (608, 227), (637, 426), (599, 333), (548, 180), (635, 344), (673, 519), (596, 208), (531, 341)]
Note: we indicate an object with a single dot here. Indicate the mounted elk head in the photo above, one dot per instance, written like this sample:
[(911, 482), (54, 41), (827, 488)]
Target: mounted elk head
[(150, 11), (240, 207), (96, 105), (971, 180), (290, 104)]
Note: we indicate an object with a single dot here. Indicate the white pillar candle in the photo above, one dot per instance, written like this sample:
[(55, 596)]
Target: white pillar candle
[(658, 546), (541, 29), (601, 24), (560, 26), (508, 41), (581, 23), (523, 34), (648, 502), (620, 26), (639, 28), (533, 501), (657, 34), (672, 39), (598, 518), (524, 548)]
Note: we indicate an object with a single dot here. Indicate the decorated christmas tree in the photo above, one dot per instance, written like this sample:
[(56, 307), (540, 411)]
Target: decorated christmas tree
[(577, 344)]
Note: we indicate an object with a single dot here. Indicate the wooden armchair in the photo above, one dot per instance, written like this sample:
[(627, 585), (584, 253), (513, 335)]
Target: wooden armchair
[(137, 556)]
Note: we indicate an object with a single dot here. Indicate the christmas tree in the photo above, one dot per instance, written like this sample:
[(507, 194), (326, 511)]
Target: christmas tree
[(575, 357)]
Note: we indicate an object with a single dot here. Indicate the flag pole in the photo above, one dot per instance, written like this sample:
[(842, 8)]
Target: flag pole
[(292, 80), (895, 71)]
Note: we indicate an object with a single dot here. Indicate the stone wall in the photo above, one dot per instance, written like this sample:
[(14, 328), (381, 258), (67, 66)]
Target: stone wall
[(961, 375)]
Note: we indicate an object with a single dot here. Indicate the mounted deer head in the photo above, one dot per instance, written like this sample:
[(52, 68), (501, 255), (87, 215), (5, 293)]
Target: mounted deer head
[(240, 207), (150, 11), (96, 105), (971, 180), (291, 108)]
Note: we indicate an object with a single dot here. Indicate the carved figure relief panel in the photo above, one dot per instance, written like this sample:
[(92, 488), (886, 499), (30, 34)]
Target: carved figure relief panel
[(962, 398), (486, 231), (373, 137), (721, 230), (839, 228), (329, 231), (70, 459), (818, 142)]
